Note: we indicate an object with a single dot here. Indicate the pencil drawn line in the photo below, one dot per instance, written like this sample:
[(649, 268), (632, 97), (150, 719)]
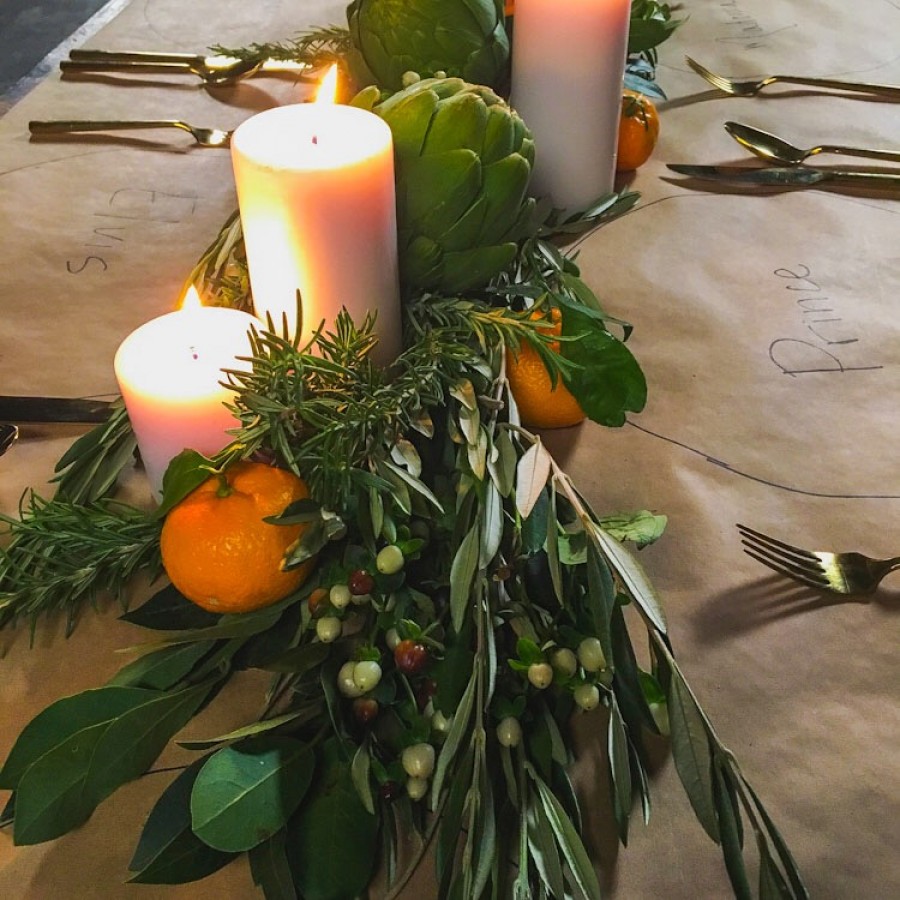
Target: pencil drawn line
[(750, 477)]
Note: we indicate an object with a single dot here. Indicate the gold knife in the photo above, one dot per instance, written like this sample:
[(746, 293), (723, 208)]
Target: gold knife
[(784, 177)]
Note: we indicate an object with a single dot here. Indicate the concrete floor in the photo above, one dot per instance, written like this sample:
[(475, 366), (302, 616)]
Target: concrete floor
[(30, 29)]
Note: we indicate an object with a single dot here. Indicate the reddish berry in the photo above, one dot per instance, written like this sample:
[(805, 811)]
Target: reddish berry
[(425, 691), (389, 790), (365, 709), (410, 656), (360, 582), (318, 603)]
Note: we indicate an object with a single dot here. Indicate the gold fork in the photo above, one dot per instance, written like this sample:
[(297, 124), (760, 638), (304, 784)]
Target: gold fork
[(840, 573), (749, 87), (205, 137)]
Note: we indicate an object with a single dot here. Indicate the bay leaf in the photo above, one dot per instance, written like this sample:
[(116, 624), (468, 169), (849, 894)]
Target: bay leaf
[(532, 473), (246, 792)]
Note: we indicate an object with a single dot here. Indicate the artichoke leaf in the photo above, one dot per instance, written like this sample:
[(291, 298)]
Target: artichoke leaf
[(439, 189), (460, 121), (468, 269), (504, 185)]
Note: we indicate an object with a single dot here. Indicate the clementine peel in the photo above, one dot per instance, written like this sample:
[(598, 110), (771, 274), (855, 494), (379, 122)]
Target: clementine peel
[(638, 131), (541, 405), (218, 551)]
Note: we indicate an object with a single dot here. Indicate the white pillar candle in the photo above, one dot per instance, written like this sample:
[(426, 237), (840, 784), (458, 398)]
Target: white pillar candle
[(170, 372), (568, 65), (315, 186)]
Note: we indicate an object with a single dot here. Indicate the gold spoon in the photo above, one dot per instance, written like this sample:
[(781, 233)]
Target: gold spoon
[(773, 148)]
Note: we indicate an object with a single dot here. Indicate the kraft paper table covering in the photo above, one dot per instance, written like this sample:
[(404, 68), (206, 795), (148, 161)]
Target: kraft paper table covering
[(726, 292)]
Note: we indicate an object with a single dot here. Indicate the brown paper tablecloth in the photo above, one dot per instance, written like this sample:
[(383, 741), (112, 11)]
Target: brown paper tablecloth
[(767, 326)]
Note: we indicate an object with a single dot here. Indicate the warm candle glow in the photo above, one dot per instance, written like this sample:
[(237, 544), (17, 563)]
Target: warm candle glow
[(191, 300), (328, 88)]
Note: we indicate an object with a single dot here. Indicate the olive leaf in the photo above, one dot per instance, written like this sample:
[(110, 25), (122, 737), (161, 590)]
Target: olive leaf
[(532, 473)]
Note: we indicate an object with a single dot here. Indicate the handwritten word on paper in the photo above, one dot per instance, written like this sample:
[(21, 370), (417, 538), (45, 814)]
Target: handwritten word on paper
[(827, 342), (126, 211), (744, 29)]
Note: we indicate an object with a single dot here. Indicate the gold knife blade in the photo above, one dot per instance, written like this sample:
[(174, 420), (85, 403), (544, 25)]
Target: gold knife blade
[(787, 177)]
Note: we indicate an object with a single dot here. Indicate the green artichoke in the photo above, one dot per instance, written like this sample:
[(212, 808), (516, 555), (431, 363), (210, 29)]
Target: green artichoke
[(463, 162), (461, 38)]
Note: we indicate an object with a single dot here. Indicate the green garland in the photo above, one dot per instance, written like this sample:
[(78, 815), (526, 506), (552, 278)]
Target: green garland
[(473, 604)]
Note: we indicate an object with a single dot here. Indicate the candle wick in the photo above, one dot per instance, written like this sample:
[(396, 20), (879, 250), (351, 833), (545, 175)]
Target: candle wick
[(315, 139), (194, 353)]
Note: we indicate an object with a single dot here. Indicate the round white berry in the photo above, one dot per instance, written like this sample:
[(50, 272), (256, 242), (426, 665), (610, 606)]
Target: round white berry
[(540, 675), (587, 696), (416, 788), (509, 732), (340, 596), (564, 661), (590, 655), (328, 629), (418, 760), (389, 560), (366, 674), (345, 681)]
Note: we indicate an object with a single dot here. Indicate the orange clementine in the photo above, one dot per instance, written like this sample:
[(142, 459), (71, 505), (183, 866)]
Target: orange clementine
[(218, 551), (638, 131), (540, 404)]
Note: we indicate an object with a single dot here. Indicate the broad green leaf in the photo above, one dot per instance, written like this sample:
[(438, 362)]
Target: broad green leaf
[(245, 793), (633, 576), (63, 787), (233, 626), (690, 748), (162, 669), (642, 527), (568, 840), (240, 733), (270, 869), (608, 382), (185, 473), (170, 610), (69, 717), (168, 852), (462, 572), (619, 770), (627, 680), (532, 473), (332, 840)]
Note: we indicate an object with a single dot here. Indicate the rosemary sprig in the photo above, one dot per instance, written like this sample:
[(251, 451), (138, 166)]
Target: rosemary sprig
[(63, 553), (316, 47)]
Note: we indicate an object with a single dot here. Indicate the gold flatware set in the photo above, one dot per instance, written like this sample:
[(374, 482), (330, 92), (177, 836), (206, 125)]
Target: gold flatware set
[(204, 137), (787, 169)]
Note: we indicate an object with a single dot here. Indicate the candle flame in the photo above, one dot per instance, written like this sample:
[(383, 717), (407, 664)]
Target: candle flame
[(328, 87), (191, 300)]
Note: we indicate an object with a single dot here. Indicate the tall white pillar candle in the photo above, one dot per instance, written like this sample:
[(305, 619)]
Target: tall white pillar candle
[(170, 375), (568, 64), (315, 185)]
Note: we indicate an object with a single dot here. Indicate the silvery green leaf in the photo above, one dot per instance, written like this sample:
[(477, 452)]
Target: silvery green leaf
[(542, 845), (477, 454), (552, 547), (731, 836), (403, 453), (397, 478), (415, 483), (462, 571), (772, 885), (376, 510), (567, 838), (633, 576), (690, 748), (359, 772), (484, 837), (237, 734), (619, 769), (492, 533), (458, 729), (502, 463), (464, 391), (532, 473), (453, 431), (422, 423), (470, 424)]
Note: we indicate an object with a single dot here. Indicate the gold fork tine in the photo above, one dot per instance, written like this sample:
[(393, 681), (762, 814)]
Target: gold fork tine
[(776, 545), (783, 567), (703, 72)]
